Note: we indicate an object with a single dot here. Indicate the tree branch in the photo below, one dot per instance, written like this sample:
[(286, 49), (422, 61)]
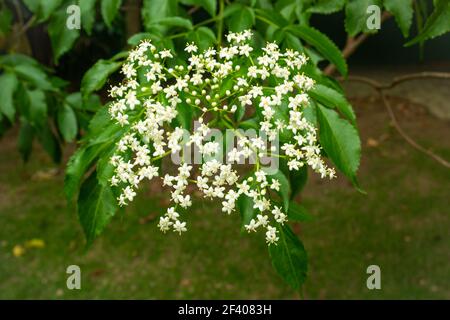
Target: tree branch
[(352, 44), (380, 88)]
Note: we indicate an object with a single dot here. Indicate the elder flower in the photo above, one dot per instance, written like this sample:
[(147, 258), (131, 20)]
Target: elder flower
[(218, 87)]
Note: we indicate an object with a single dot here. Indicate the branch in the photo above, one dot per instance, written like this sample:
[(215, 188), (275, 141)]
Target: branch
[(380, 88), (352, 44)]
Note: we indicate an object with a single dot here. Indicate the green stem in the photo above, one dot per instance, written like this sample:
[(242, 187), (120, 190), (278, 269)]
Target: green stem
[(220, 23)]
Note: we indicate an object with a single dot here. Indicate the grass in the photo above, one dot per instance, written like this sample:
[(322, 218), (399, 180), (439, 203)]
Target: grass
[(402, 225)]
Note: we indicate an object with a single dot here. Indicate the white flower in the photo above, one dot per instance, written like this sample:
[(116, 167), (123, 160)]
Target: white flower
[(179, 227), (164, 224), (229, 82), (191, 48), (271, 235), (275, 185), (252, 225), (172, 214)]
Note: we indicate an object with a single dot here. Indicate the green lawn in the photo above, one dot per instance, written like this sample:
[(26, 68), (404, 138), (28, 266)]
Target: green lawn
[(402, 225)]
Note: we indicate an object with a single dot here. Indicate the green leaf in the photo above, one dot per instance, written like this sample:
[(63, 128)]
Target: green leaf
[(153, 10), (209, 5), (245, 207), (252, 123), (43, 8), (101, 136), (49, 141), (241, 20), (109, 10), (326, 6), (298, 213), (6, 19), (285, 188), (174, 22), (437, 23), (15, 59), (67, 123), (37, 114), (333, 99), (184, 116), (96, 76), (298, 179), (289, 257), (203, 37), (135, 39), (105, 170), (271, 17), (292, 42), (92, 103), (61, 37), (323, 44), (87, 11), (77, 166), (96, 207), (8, 85), (25, 140), (403, 13), (356, 15), (34, 75), (340, 140)]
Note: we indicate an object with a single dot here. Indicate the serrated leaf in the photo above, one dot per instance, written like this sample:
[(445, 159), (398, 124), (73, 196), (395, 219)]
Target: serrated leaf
[(241, 19), (356, 15), (96, 76), (332, 99), (67, 123), (8, 85), (403, 13), (437, 23), (326, 6), (323, 44), (340, 140), (289, 258), (109, 10), (96, 207)]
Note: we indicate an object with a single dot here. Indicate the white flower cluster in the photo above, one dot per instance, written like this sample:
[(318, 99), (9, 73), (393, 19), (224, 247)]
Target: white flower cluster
[(215, 85)]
